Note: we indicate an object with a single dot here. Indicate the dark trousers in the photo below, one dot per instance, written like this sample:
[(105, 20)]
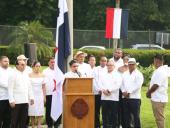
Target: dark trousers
[(131, 110), (48, 118), (109, 113), (97, 110), (120, 111), (5, 114), (19, 116)]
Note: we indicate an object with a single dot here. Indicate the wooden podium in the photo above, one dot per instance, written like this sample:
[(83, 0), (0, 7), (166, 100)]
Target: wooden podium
[(78, 106)]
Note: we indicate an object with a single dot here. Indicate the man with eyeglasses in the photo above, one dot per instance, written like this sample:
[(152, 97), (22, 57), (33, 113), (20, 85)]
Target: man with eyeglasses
[(20, 94), (5, 111), (110, 85)]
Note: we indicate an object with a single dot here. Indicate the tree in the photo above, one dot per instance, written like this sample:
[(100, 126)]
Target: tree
[(32, 32), (144, 14), (13, 12)]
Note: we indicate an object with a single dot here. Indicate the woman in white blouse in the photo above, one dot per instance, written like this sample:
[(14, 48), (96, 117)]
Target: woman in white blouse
[(37, 81), (73, 73)]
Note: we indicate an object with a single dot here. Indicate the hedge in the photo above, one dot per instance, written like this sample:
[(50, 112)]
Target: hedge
[(144, 57)]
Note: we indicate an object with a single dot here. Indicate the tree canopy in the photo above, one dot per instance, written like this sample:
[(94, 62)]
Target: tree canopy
[(88, 14)]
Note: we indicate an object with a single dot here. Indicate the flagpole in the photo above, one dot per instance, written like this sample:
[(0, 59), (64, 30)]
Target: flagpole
[(115, 41), (70, 15)]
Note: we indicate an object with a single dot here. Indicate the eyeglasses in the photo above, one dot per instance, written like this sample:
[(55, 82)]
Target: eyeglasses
[(103, 60), (21, 64), (110, 65), (75, 66)]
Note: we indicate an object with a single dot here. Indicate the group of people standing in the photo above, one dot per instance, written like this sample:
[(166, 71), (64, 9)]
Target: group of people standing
[(117, 88), (24, 91), (116, 85)]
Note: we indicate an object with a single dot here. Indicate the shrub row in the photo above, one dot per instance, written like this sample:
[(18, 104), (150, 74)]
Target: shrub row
[(144, 57)]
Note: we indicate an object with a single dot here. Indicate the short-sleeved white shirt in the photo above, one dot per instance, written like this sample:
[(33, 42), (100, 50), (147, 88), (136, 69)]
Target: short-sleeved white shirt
[(160, 77)]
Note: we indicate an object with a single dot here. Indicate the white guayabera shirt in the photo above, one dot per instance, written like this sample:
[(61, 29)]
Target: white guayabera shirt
[(132, 83), (97, 75), (111, 81), (19, 88)]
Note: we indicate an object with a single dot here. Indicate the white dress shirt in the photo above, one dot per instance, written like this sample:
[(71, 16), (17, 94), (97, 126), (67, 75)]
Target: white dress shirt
[(19, 88), (27, 70), (160, 77), (92, 70), (132, 83), (97, 75), (4, 76), (84, 69), (71, 74), (119, 63), (111, 81), (49, 80)]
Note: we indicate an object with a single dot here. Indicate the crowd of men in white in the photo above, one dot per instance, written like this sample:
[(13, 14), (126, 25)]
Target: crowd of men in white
[(116, 85)]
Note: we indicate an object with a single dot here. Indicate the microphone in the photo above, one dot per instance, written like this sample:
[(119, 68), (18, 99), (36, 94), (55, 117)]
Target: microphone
[(78, 73)]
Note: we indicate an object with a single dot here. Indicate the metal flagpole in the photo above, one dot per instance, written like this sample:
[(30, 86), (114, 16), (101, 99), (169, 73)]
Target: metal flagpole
[(70, 15)]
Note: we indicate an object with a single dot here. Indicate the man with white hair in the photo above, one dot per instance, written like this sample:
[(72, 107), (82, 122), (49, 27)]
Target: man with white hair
[(110, 85), (131, 92)]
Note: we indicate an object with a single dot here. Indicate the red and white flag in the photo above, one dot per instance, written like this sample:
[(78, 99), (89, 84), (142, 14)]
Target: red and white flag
[(57, 99), (116, 23)]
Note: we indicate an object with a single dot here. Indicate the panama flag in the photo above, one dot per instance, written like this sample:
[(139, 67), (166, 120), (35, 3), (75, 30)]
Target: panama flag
[(62, 51), (116, 23)]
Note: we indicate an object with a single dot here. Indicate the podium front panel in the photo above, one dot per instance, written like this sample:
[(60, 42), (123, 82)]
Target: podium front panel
[(78, 106), (71, 121)]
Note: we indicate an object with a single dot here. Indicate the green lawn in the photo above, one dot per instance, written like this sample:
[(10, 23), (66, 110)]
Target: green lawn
[(147, 117)]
